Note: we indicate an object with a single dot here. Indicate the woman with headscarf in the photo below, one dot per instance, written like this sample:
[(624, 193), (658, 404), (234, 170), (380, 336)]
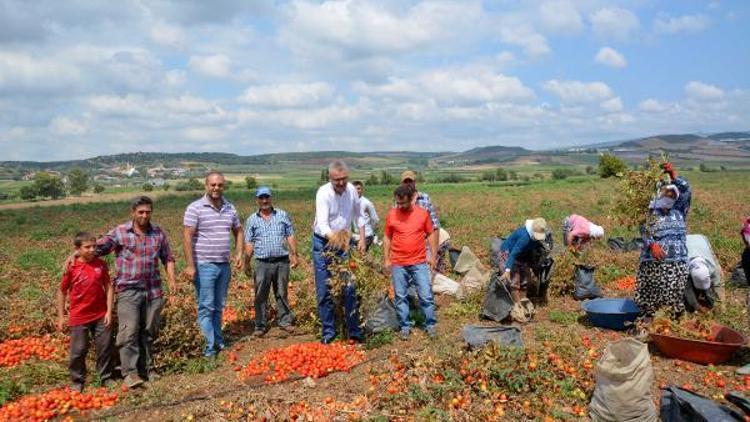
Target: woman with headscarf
[(577, 231), (745, 233), (514, 271), (663, 269)]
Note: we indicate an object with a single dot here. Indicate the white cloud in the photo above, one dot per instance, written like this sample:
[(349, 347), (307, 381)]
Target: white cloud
[(288, 95), (23, 73), (533, 43), (355, 28), (65, 126), (702, 91), (608, 56), (651, 105), (168, 35), (204, 133), (216, 65), (560, 16), (453, 86), (615, 23), (176, 77), (577, 92), (686, 23), (612, 105)]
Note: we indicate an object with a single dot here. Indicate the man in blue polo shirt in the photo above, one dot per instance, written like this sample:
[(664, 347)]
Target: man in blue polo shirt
[(209, 225), (269, 235)]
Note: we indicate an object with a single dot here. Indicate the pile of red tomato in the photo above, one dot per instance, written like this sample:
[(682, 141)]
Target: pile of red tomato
[(310, 359), (16, 352), (45, 406)]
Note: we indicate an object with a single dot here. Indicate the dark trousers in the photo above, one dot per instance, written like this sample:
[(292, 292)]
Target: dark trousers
[(746, 263), (324, 297), (139, 323), (272, 274), (80, 336)]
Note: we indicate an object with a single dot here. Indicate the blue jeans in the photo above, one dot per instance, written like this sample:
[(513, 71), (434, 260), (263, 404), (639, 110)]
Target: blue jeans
[(325, 299), (211, 285), (419, 274)]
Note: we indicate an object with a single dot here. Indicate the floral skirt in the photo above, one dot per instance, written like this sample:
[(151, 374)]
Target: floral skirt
[(660, 285)]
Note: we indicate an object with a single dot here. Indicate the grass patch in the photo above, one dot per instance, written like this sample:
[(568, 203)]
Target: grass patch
[(200, 365), (380, 339), (563, 318), (38, 259)]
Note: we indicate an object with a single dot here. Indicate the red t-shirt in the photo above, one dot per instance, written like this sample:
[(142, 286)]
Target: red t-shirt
[(408, 230), (86, 283)]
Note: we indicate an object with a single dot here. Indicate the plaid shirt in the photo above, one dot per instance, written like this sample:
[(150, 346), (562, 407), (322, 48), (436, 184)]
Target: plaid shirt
[(268, 237), (423, 201), (137, 257)]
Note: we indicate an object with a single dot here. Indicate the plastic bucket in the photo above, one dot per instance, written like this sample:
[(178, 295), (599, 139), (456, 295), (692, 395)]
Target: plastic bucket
[(612, 313), (724, 342)]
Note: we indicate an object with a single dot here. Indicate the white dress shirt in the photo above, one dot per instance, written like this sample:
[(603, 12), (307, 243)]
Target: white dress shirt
[(335, 212), (371, 218)]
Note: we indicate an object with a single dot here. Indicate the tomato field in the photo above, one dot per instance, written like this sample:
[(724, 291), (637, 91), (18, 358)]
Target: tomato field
[(292, 376)]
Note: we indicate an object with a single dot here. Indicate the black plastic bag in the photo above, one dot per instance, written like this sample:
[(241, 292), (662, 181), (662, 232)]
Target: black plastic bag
[(636, 244), (382, 317), (585, 286), (497, 302), (537, 289), (738, 277), (617, 244), (678, 405), (477, 336)]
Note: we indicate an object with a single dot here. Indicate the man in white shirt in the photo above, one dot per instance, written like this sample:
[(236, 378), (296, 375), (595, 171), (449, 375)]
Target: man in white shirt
[(337, 205), (371, 216)]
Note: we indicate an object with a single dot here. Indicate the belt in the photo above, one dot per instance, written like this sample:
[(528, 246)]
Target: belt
[(274, 259), (323, 238)]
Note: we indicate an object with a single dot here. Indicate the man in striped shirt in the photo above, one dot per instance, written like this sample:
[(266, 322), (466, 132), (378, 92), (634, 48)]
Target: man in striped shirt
[(210, 222), (267, 234)]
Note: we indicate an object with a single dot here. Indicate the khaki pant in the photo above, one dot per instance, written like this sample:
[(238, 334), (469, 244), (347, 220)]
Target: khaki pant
[(139, 322)]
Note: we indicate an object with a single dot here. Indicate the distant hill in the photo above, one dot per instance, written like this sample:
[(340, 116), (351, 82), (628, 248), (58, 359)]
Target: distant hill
[(724, 148)]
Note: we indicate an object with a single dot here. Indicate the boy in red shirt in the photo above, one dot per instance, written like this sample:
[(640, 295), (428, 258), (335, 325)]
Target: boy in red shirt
[(405, 255), (87, 284)]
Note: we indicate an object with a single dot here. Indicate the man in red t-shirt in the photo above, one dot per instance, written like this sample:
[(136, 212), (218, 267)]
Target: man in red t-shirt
[(405, 255), (87, 284)]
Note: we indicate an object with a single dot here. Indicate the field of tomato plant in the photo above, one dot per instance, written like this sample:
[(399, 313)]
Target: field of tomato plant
[(289, 376)]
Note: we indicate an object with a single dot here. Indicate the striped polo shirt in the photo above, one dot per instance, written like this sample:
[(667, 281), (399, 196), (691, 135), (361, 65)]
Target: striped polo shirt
[(213, 229)]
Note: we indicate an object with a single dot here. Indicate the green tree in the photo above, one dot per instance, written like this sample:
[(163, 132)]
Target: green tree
[(488, 176), (372, 180), (98, 188), (512, 175), (78, 181), (28, 192), (560, 173), (590, 170), (610, 165), (501, 174), (49, 186), (324, 175), (148, 187), (386, 178), (165, 187), (251, 183)]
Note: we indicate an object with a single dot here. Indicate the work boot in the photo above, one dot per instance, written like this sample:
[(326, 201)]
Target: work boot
[(431, 331), (133, 381), (404, 335)]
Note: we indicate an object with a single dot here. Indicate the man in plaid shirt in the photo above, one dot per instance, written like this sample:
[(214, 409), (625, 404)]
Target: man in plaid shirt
[(139, 246)]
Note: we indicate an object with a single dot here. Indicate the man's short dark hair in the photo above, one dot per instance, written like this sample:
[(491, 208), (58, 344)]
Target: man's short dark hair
[(82, 237), (141, 200), (404, 191), (358, 183)]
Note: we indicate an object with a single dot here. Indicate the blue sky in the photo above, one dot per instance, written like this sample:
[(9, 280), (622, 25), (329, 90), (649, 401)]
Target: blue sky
[(85, 78)]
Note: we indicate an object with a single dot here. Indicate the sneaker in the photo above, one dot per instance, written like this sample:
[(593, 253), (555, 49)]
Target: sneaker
[(404, 334), (258, 333), (431, 331), (77, 387), (743, 370), (132, 381)]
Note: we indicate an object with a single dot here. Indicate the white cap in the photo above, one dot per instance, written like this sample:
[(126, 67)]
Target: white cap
[(596, 231), (700, 274)]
